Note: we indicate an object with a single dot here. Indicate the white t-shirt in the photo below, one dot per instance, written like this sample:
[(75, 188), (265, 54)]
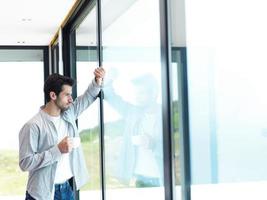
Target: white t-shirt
[(63, 172)]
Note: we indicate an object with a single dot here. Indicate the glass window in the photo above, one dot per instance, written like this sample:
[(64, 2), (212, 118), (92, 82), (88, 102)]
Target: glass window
[(178, 45), (88, 122), (21, 86), (176, 66), (133, 107), (226, 43)]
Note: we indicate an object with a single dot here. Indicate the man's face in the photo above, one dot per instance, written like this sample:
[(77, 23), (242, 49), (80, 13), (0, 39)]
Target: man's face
[(143, 96), (64, 99)]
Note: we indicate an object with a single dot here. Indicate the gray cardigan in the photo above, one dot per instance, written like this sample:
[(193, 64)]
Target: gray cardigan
[(39, 153)]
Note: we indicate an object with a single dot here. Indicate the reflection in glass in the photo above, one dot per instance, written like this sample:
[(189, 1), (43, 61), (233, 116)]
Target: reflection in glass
[(140, 156), (136, 132), (133, 123), (176, 119), (178, 44)]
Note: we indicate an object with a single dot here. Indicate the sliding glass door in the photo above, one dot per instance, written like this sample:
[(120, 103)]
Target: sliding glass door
[(88, 122), (133, 106)]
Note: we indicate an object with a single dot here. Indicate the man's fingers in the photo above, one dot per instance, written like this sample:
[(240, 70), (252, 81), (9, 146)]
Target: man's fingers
[(65, 145), (99, 75), (99, 72)]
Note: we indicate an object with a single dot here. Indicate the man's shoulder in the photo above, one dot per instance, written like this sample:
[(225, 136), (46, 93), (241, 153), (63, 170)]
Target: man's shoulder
[(35, 120)]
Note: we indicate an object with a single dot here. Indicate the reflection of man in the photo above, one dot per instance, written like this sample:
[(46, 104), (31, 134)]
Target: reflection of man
[(141, 154), (46, 141)]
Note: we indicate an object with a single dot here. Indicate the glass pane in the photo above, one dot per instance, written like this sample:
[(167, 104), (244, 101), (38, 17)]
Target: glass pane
[(227, 99), (133, 108), (21, 55), (88, 122), (178, 57), (21, 86), (176, 114)]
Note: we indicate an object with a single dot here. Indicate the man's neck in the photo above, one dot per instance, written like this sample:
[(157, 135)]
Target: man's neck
[(51, 109)]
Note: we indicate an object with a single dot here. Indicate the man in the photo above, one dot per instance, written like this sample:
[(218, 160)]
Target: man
[(46, 147), (140, 158)]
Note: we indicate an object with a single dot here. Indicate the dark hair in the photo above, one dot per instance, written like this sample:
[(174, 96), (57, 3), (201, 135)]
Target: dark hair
[(54, 83)]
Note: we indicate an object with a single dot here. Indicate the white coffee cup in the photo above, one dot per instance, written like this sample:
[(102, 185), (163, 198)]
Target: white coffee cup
[(76, 141)]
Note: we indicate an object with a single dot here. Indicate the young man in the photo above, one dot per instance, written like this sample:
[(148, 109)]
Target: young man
[(140, 159), (46, 142)]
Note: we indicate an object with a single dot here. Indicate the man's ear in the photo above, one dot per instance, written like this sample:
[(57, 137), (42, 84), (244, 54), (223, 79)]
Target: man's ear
[(53, 95)]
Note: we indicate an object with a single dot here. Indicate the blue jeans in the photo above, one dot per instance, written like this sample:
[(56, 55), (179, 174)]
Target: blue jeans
[(28, 196), (62, 192)]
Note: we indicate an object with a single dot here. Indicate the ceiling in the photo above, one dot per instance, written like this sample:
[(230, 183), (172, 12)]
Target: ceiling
[(35, 22), (31, 22)]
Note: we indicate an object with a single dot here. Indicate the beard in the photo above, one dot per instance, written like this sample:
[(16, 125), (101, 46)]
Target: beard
[(61, 106)]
